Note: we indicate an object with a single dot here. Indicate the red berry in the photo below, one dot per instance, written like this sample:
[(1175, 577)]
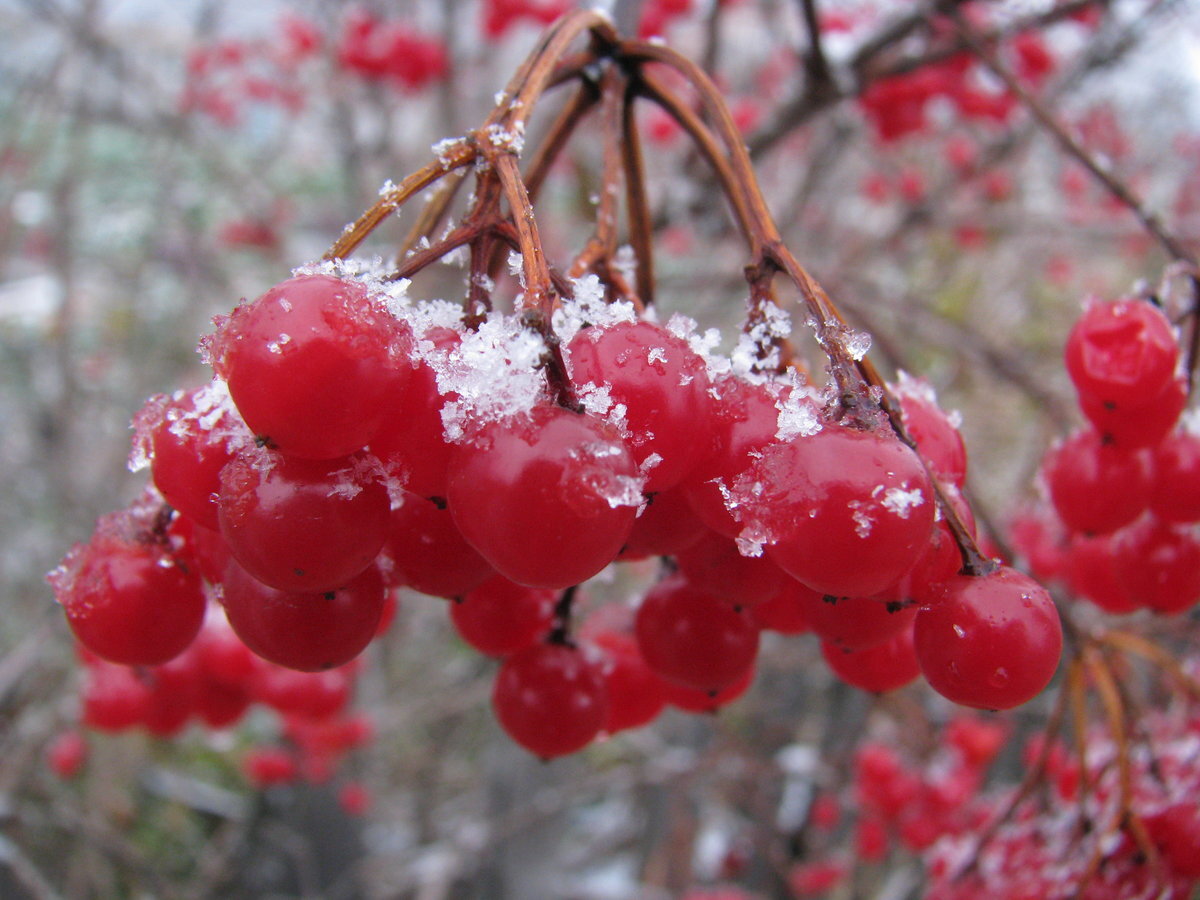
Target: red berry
[(550, 699), (635, 693), (855, 622), (304, 631), (993, 641), (1121, 353), (716, 566), (1091, 572), (67, 753), (1096, 488), (936, 434), (693, 639), (784, 612), (312, 364), (1175, 495), (745, 420), (429, 554), (846, 512), (126, 597), (1131, 427), (189, 437), (663, 385), (666, 526), (303, 525), (696, 701), (499, 617), (880, 667), (1158, 565), (547, 498)]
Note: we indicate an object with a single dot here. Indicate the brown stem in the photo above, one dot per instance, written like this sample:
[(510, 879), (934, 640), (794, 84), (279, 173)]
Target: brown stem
[(637, 204), (459, 154)]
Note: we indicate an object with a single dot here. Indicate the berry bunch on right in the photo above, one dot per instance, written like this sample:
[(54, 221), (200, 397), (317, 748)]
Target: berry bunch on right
[(1124, 489)]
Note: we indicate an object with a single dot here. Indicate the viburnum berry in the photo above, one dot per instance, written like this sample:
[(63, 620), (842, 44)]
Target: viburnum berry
[(303, 525), (313, 364), (635, 693), (548, 497), (693, 700), (428, 553), (855, 622), (693, 639), (304, 631), (845, 511), (745, 418), (665, 527), (126, 596), (1175, 830), (67, 753), (188, 438), (880, 667), (550, 699), (992, 641), (784, 612), (411, 442), (1091, 573), (114, 697), (1175, 492), (1096, 488), (499, 617), (1158, 565), (1121, 354), (716, 566), (935, 433), (1144, 425), (662, 384)]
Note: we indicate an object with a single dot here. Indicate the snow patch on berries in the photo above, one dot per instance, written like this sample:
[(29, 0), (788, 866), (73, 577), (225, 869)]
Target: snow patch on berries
[(373, 274), (798, 416), (703, 344), (495, 373), (901, 502), (589, 307)]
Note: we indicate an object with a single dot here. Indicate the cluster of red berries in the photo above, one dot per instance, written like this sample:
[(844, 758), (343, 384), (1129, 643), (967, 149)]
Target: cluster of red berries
[(899, 105), (895, 804), (1077, 844), (354, 440), (1124, 490)]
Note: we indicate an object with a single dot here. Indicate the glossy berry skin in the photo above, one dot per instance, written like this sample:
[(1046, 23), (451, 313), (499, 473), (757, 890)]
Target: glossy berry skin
[(308, 632), (312, 363), (1096, 488), (1091, 572), (1133, 427), (1121, 353), (1158, 565), (548, 498), (784, 612), (936, 437), (846, 512), (697, 701), (745, 420), (1175, 495), (429, 554), (411, 441), (635, 693), (881, 667), (191, 439), (666, 526), (693, 639), (1175, 830), (499, 618), (992, 641), (854, 623), (716, 566), (129, 601), (663, 386), (550, 699), (303, 525)]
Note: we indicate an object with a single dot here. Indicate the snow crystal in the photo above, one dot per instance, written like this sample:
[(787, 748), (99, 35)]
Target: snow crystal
[(863, 523), (588, 308), (900, 502), (516, 266), (443, 148), (651, 460), (495, 372), (857, 343), (511, 141), (798, 416), (657, 354), (285, 304), (625, 262), (387, 187)]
